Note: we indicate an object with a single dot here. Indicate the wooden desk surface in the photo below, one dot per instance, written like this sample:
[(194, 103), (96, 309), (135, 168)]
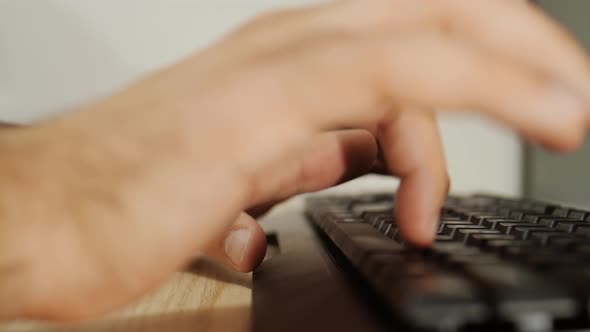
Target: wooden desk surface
[(207, 297)]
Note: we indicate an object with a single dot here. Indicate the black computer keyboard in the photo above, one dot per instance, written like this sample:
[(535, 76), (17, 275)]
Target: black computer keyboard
[(512, 264)]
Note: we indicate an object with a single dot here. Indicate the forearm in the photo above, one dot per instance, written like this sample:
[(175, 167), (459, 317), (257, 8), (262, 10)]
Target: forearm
[(88, 204)]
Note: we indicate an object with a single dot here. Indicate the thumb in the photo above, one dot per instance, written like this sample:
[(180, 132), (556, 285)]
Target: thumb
[(242, 247)]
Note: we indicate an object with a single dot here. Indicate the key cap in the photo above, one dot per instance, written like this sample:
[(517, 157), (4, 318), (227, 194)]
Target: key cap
[(449, 248), (516, 291), (464, 234), (392, 233), (443, 238), (347, 220), (525, 232), (459, 260), (552, 222), (566, 242), (482, 239), (375, 262), (506, 227), (437, 300), (560, 212), (545, 238), (357, 242), (498, 246), (384, 228), (442, 225), (374, 217), (585, 231), (570, 226), (535, 217), (550, 261), (522, 253), (477, 219), (491, 223), (383, 221), (451, 229), (578, 214)]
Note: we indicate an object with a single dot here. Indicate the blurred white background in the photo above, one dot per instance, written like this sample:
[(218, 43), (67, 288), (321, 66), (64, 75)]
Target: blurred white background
[(55, 54)]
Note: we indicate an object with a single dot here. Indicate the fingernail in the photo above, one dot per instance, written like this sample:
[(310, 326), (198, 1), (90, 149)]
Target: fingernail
[(235, 245)]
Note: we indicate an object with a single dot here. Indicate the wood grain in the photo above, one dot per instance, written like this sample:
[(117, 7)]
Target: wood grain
[(206, 297)]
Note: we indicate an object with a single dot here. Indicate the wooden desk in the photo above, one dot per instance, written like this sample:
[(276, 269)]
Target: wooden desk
[(207, 297)]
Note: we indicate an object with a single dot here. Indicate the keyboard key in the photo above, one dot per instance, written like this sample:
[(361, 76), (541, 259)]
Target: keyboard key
[(477, 218), (372, 265), (546, 238), (480, 240), (356, 241), (452, 229), (578, 214), (570, 226), (436, 300), (552, 222), (535, 217), (450, 248), (348, 220), (464, 234), (525, 232), (516, 291), (560, 212), (460, 261), (382, 207), (491, 223), (585, 231), (506, 227), (519, 215), (550, 261), (560, 243), (499, 245), (442, 225)]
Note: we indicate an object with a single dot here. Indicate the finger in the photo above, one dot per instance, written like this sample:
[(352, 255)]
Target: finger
[(524, 35), (409, 72), (326, 160), (413, 151), (243, 246)]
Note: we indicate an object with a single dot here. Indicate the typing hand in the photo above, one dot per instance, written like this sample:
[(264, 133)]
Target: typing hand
[(142, 181)]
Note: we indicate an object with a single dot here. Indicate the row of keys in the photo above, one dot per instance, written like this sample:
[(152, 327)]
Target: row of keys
[(484, 263)]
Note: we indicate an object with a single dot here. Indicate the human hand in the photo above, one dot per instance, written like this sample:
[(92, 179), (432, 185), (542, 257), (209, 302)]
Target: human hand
[(165, 169)]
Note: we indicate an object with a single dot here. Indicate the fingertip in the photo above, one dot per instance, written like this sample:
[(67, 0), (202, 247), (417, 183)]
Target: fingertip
[(242, 248), (417, 211), (255, 251), (245, 246)]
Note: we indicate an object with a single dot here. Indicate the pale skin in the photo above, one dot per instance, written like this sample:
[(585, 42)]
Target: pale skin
[(107, 201)]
